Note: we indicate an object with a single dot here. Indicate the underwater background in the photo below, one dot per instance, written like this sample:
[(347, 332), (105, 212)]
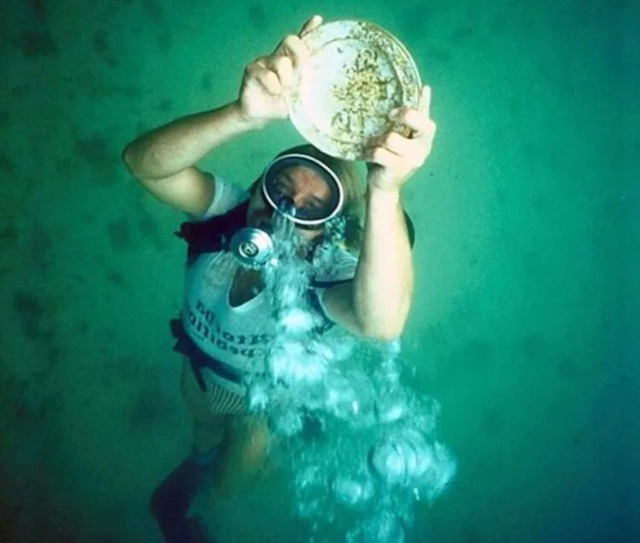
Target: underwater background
[(524, 325)]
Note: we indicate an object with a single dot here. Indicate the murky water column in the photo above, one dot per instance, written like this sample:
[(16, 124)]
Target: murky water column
[(362, 447)]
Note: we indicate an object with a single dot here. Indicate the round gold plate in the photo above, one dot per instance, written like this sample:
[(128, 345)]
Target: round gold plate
[(356, 75)]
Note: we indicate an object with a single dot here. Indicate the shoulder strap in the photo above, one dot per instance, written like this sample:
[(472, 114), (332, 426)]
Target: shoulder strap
[(214, 234)]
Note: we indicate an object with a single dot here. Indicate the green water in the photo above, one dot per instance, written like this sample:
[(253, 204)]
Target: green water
[(527, 225)]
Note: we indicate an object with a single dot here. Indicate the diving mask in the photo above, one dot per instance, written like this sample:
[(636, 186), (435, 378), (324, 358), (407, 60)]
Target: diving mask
[(277, 187), (253, 247)]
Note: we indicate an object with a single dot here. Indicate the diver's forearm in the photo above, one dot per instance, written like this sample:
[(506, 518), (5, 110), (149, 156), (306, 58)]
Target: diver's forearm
[(179, 144), (383, 285)]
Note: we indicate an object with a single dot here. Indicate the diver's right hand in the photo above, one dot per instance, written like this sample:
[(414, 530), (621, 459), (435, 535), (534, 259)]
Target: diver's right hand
[(268, 80)]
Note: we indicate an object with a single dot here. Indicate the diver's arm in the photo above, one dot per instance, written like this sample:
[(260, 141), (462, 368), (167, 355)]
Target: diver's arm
[(164, 159), (180, 144), (376, 303)]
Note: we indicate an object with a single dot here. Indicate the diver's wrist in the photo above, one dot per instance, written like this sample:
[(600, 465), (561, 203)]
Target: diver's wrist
[(248, 121), (382, 196)]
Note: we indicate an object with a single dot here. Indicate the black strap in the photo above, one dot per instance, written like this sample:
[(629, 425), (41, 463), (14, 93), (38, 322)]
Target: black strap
[(199, 360), (214, 234)]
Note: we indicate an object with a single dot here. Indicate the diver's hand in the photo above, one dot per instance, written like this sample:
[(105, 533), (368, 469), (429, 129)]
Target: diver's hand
[(268, 79), (393, 158)]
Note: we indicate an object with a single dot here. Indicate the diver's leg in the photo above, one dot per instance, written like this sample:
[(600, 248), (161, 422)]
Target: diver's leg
[(245, 455), (171, 500)]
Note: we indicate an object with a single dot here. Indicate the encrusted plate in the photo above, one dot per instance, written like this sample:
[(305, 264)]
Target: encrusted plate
[(356, 75)]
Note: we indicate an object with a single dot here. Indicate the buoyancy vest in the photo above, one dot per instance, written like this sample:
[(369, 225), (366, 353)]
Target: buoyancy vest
[(210, 236)]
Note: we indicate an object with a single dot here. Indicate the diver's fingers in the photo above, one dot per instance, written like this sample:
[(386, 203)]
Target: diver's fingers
[(312, 23), (425, 100), (293, 47), (385, 158), (260, 73), (283, 67), (416, 119), (393, 150)]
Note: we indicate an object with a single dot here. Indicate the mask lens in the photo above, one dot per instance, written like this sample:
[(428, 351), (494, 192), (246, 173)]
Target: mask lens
[(277, 189)]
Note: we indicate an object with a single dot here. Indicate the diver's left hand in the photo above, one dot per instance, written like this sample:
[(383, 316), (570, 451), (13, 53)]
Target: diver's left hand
[(392, 158)]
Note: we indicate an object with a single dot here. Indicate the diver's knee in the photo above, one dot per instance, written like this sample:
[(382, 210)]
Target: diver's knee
[(246, 455), (173, 496)]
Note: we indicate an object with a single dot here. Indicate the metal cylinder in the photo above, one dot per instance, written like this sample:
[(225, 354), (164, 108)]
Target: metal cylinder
[(252, 247)]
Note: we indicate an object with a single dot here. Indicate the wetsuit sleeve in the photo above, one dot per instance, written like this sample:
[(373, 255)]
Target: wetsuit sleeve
[(226, 197)]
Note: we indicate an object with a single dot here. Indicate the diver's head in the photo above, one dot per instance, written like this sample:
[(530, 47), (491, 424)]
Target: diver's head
[(308, 187)]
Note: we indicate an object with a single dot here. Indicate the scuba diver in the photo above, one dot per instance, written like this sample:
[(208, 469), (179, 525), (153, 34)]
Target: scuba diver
[(226, 324)]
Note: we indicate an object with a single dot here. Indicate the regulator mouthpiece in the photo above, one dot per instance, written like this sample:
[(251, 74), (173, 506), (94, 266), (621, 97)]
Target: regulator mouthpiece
[(286, 207)]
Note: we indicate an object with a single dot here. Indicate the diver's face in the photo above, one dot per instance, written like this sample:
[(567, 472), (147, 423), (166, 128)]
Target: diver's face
[(304, 186)]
